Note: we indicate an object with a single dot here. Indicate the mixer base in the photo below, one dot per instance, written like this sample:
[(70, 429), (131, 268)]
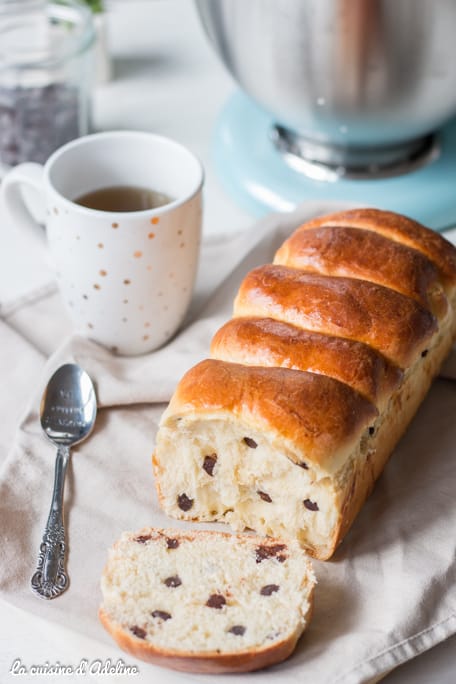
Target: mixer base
[(259, 179)]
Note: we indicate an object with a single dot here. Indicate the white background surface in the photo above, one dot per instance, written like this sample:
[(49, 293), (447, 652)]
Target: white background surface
[(166, 80)]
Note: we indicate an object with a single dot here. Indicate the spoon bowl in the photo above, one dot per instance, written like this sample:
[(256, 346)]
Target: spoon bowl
[(68, 407), (67, 413)]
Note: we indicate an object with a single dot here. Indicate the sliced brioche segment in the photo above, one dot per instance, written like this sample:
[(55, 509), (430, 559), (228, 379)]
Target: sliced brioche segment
[(400, 229), (364, 254), (206, 601), (270, 449), (266, 342), (388, 321)]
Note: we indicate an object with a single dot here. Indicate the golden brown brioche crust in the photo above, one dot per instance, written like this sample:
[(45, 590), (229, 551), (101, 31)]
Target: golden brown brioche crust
[(353, 253), (320, 416), (266, 342), (400, 229), (393, 324)]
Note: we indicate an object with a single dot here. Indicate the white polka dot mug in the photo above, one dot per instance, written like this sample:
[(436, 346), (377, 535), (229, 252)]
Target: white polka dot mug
[(126, 276)]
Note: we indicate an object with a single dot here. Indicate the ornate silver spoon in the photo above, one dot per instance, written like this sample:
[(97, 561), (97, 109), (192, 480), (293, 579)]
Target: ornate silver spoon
[(68, 411)]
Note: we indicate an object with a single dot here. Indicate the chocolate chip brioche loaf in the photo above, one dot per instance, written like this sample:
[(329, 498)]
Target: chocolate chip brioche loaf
[(206, 601), (330, 352)]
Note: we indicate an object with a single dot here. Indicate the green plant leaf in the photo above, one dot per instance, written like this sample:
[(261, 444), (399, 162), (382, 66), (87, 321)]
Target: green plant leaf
[(95, 5)]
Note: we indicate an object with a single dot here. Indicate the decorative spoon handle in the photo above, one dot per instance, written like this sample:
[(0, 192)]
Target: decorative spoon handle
[(50, 578)]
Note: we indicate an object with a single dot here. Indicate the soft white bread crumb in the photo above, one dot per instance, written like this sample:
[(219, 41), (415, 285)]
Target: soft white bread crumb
[(206, 601)]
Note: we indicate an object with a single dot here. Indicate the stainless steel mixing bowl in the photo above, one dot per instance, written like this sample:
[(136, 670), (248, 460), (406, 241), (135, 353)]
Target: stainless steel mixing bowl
[(348, 81)]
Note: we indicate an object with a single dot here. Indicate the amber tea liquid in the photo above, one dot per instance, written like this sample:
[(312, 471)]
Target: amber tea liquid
[(123, 198)]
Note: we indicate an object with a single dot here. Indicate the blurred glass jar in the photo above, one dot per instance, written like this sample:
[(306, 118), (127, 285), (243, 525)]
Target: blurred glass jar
[(45, 77)]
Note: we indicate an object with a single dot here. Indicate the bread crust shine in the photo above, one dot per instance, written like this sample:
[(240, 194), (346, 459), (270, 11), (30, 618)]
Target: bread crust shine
[(401, 229), (363, 254), (266, 342), (388, 321)]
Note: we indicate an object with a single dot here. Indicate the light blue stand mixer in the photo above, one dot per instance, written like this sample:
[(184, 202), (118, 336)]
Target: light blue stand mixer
[(346, 100)]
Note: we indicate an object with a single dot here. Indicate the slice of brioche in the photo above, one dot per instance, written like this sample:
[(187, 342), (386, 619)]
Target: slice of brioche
[(206, 601)]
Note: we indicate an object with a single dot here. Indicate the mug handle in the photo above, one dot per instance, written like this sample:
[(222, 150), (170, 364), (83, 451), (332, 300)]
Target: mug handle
[(25, 176)]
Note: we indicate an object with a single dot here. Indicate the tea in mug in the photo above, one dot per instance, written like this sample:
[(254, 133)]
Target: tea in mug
[(123, 198)]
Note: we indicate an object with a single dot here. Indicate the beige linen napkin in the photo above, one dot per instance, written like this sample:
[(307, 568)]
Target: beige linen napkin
[(388, 594)]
